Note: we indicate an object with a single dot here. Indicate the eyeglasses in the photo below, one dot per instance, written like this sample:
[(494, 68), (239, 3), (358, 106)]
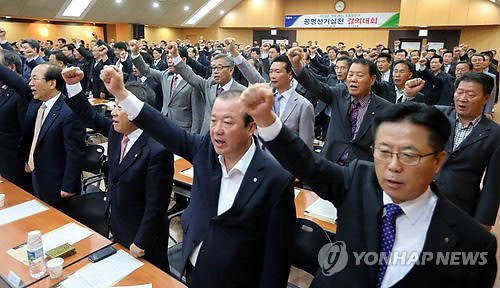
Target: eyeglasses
[(408, 159), (219, 68), (36, 78)]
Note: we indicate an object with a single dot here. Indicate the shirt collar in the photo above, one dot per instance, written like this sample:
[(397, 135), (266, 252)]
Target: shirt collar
[(473, 122), (132, 137), (228, 85), (363, 101), (413, 208), (49, 103), (286, 94), (179, 77), (144, 78), (242, 165)]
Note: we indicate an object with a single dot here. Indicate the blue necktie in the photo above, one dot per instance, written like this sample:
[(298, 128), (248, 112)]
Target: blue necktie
[(388, 235), (276, 106)]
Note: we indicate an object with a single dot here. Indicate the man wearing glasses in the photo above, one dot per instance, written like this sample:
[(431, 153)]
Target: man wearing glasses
[(221, 80), (389, 208)]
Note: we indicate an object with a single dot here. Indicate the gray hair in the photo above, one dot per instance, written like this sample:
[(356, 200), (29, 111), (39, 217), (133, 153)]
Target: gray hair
[(229, 60)]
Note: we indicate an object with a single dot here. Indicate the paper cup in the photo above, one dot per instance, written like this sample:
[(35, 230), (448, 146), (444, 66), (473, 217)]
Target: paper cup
[(2, 200), (55, 267)]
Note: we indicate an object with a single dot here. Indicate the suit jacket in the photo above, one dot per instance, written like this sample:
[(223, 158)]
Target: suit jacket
[(339, 130), (443, 87), (325, 69), (331, 80), (387, 91), (161, 65), (186, 107), (248, 245), (355, 192), (27, 68), (153, 85), (207, 88), (139, 187), (96, 84), (12, 112), (460, 177), (59, 149), (299, 112)]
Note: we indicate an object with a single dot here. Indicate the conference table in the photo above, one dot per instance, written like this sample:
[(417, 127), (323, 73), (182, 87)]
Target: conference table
[(304, 199), (15, 233)]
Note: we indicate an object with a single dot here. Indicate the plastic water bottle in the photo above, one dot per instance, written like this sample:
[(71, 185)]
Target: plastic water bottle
[(36, 258)]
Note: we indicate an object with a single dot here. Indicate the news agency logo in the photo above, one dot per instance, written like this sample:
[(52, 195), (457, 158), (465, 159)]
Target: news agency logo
[(332, 258)]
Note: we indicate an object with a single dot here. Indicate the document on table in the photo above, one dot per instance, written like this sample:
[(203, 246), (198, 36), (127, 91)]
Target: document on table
[(21, 211), (188, 172), (104, 273), (322, 210), (69, 233), (177, 157), (137, 286)]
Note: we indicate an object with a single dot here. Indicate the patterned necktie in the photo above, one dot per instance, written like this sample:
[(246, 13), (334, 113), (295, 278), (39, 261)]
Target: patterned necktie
[(276, 105), (219, 90), (38, 127), (123, 147), (388, 235), (354, 116), (174, 85)]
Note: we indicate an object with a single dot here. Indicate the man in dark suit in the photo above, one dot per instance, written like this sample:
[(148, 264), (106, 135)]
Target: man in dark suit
[(100, 60), (140, 174), (448, 65), (31, 50), (158, 63), (395, 92), (473, 151), (239, 226), (324, 68), (408, 229), (384, 66), (53, 139), (137, 76), (12, 112), (84, 61), (349, 133), (442, 82)]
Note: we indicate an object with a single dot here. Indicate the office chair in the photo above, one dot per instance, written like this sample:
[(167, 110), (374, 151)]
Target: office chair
[(174, 252), (93, 162), (309, 238), (89, 209)]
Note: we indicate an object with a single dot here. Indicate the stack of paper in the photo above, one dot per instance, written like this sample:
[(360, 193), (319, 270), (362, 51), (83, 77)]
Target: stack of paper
[(322, 210), (104, 273), (188, 172), (297, 191), (21, 211), (177, 157)]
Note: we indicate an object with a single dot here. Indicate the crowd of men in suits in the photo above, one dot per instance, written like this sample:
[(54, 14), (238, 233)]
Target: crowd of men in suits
[(430, 109)]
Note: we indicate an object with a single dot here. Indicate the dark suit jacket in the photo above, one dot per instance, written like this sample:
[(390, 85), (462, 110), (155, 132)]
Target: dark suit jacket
[(324, 69), (162, 65), (442, 85), (153, 85), (138, 188), (96, 84), (355, 192), (12, 113), (59, 149), (387, 91), (460, 177), (339, 130), (27, 68), (248, 245)]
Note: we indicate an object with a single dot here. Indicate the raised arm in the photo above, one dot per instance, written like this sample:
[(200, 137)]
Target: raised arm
[(139, 63), (79, 104), (187, 74), (246, 69), (16, 82)]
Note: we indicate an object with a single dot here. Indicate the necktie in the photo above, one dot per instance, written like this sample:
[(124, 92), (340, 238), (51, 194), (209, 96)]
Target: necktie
[(123, 147), (354, 119), (276, 105), (219, 90), (174, 85), (38, 126), (388, 235)]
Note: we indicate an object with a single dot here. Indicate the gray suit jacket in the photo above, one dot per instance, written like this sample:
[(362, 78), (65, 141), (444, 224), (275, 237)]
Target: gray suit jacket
[(206, 89), (186, 107), (460, 177), (298, 115)]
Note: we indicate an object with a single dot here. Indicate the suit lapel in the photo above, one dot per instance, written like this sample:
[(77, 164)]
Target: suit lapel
[(53, 113), (290, 105), (368, 118), (114, 149), (344, 106), (251, 181), (133, 153), (178, 88), (4, 96), (213, 185), (372, 227), (479, 132)]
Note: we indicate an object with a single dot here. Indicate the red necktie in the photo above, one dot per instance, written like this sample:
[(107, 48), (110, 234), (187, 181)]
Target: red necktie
[(123, 146), (174, 85)]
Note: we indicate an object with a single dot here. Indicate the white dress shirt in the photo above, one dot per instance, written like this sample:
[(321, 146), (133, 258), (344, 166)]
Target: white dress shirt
[(143, 79), (132, 138), (386, 76), (49, 103), (411, 226), (228, 85), (284, 99)]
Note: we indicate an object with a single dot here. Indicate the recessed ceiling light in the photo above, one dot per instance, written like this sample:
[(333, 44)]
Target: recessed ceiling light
[(156, 5), (221, 12), (493, 1), (8, 17), (186, 8), (76, 8), (118, 1), (202, 12)]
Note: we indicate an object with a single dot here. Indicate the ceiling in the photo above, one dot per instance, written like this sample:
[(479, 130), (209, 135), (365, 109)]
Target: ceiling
[(169, 13)]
